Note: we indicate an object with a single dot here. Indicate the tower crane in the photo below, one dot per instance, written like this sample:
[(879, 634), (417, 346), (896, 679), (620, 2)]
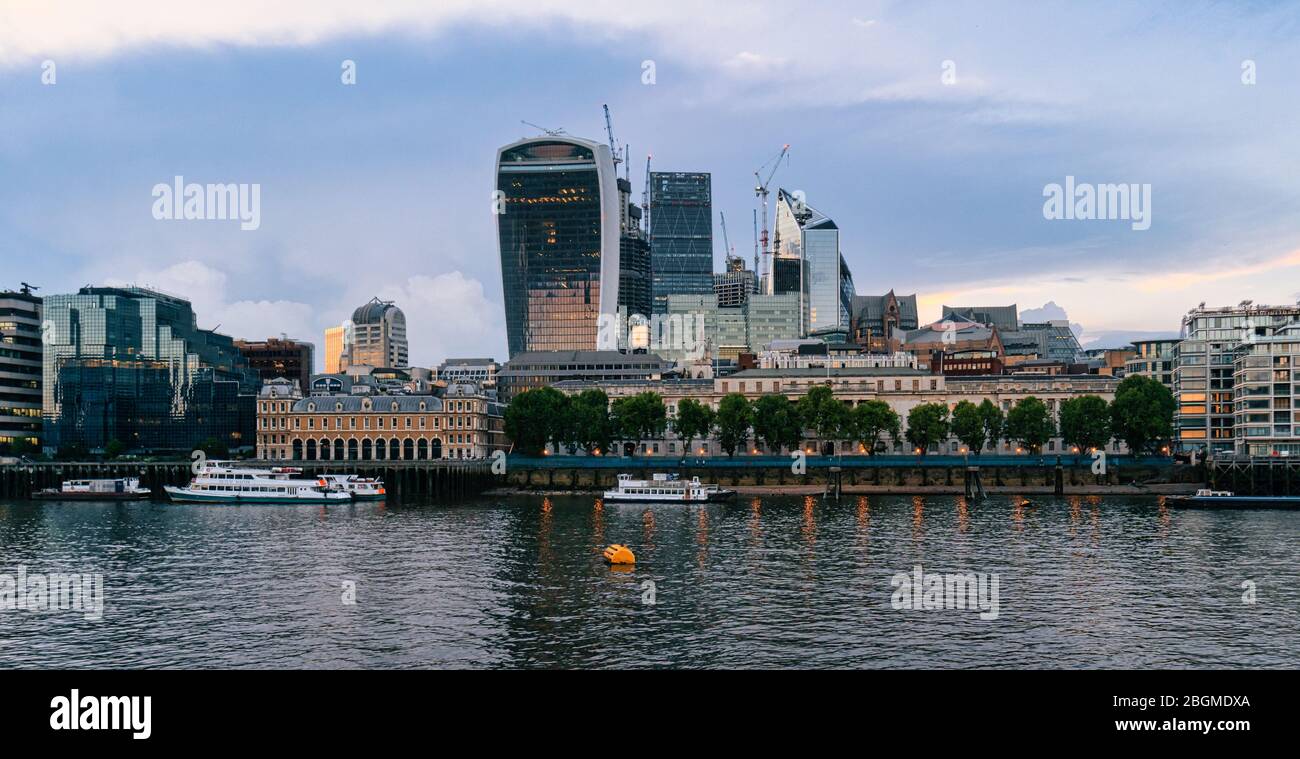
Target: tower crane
[(761, 191), (551, 132), (613, 144), (645, 198), (726, 242)]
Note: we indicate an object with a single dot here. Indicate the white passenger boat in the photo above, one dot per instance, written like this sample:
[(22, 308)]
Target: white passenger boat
[(665, 488), (118, 489), (361, 488), (222, 482)]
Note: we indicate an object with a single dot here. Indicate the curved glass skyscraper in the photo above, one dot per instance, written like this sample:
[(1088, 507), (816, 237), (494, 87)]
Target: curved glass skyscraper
[(558, 232)]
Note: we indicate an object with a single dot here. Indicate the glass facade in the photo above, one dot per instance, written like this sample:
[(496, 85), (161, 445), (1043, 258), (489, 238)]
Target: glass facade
[(131, 365), (807, 236), (681, 235), (558, 231)]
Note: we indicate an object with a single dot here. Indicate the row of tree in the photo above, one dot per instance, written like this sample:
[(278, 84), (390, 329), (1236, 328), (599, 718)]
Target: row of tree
[(1141, 415)]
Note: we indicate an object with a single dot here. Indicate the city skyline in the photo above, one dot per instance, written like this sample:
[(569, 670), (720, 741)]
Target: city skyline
[(937, 187)]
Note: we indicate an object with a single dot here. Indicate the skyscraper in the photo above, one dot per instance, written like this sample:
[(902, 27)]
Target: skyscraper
[(805, 234), (681, 235), (558, 230), (131, 365), (376, 337)]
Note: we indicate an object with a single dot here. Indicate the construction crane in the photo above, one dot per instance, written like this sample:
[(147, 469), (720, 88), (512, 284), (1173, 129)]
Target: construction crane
[(613, 144), (756, 269), (645, 198), (726, 242), (761, 191), (551, 132)]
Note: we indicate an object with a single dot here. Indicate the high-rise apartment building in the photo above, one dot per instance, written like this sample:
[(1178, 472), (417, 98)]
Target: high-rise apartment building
[(681, 235), (1266, 392), (20, 369), (558, 230), (130, 365), (1205, 366)]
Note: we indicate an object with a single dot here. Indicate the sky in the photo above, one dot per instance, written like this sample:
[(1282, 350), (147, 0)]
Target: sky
[(928, 130)]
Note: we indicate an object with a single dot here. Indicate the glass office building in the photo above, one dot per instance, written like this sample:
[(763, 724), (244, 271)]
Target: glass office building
[(558, 226), (131, 365), (20, 369), (804, 234), (681, 235)]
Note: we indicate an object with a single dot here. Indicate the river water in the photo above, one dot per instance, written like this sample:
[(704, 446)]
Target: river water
[(771, 581)]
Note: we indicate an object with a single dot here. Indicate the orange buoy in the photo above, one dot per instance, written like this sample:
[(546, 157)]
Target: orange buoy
[(619, 554)]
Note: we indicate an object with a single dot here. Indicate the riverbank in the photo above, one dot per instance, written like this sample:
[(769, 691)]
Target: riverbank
[(1154, 489)]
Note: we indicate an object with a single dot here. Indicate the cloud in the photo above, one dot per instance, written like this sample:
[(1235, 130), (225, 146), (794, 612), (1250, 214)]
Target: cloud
[(448, 315), (206, 289)]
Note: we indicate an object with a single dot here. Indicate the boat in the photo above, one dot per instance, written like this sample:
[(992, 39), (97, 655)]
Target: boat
[(222, 482), (118, 489), (665, 488), (1207, 498), (361, 488)]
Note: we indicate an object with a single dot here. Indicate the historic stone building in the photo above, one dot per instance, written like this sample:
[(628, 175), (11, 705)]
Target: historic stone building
[(459, 423)]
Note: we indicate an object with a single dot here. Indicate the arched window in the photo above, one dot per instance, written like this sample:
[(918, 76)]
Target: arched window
[(435, 449), (324, 449), (394, 449), (297, 449), (311, 450), (338, 448), (422, 449), (381, 450), (352, 449), (366, 450), (408, 449)]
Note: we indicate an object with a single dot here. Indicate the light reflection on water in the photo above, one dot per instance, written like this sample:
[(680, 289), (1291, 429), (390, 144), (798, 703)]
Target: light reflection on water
[(760, 582)]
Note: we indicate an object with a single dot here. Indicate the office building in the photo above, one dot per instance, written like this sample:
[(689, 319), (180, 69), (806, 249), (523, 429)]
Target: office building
[(734, 286), (558, 232), (535, 369), (681, 235), (279, 357), (20, 370), (803, 233), (130, 365), (1154, 359), (481, 371), (334, 337), (376, 336)]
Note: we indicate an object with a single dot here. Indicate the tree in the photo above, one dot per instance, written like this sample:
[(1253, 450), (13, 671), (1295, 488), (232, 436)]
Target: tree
[(694, 419), (735, 416), (1085, 422), (533, 419), (114, 449), (1142, 413), (870, 419), (639, 417), (994, 422), (819, 411), (927, 424), (591, 427), (968, 425), (777, 423), (1029, 423)]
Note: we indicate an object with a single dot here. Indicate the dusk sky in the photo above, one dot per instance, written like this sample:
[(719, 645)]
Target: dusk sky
[(384, 187)]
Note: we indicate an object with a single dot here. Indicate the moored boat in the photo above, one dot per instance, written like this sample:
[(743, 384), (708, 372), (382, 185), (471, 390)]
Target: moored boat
[(220, 482), (666, 488), (117, 489), (360, 488), (1206, 498)]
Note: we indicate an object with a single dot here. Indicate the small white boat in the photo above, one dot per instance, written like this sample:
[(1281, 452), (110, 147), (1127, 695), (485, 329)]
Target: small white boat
[(221, 482), (665, 488), (119, 489), (361, 488)]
